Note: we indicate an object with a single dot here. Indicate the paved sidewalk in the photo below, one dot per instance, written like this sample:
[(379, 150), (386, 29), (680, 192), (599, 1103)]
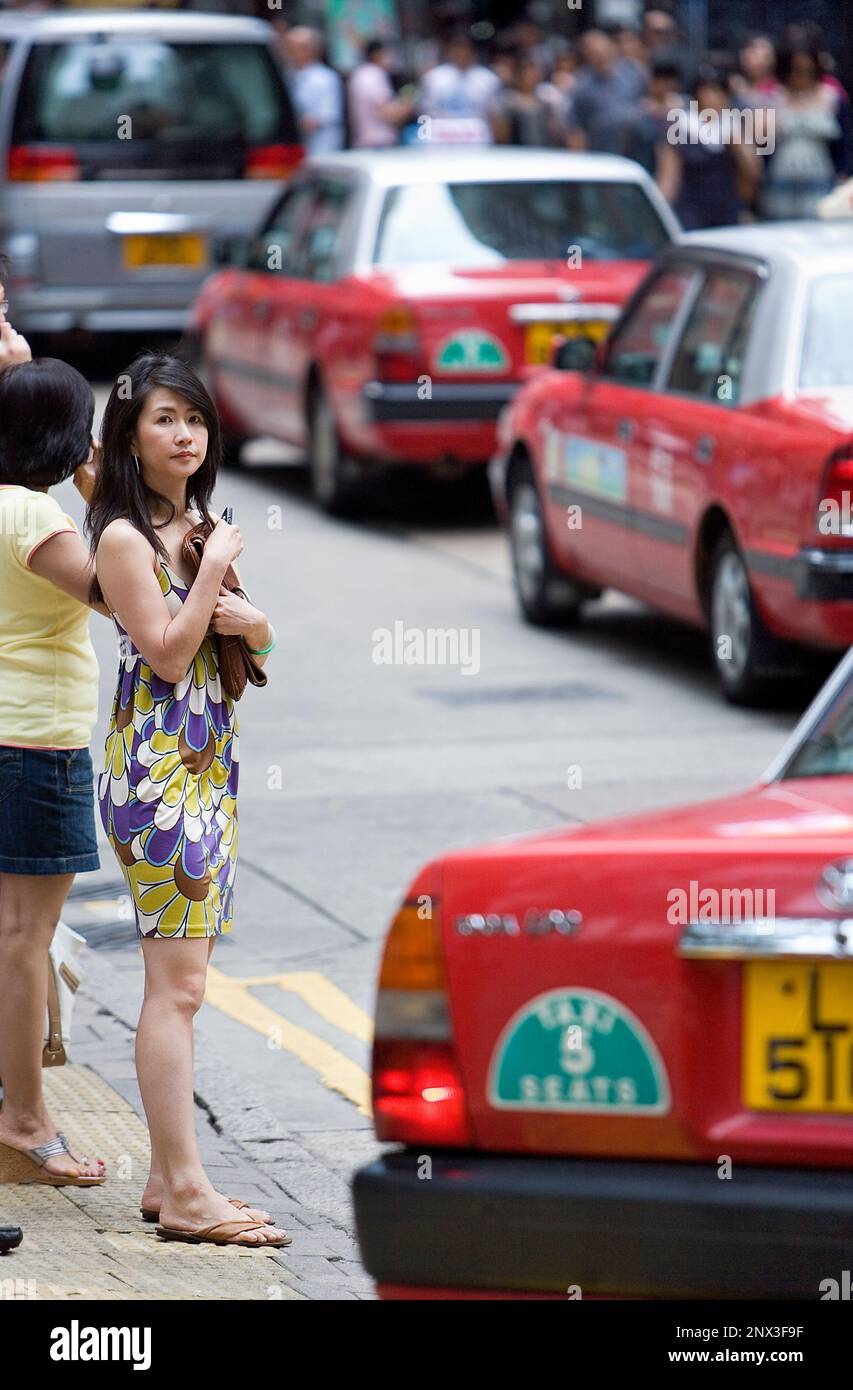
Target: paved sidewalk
[(92, 1244)]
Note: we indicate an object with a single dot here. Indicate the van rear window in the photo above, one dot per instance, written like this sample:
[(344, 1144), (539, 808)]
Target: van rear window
[(146, 108)]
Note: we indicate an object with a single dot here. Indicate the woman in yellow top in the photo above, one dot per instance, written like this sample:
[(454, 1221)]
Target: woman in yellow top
[(48, 705)]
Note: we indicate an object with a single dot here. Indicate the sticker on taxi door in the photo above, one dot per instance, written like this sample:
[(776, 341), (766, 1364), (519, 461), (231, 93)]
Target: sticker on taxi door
[(577, 1050)]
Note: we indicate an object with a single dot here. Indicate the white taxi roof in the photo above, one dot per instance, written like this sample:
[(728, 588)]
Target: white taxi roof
[(171, 24), (812, 247), (415, 164)]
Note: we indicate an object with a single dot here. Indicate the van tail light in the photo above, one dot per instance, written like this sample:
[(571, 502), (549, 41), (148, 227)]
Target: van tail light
[(834, 515), (42, 164), (397, 344), (272, 161), (418, 1091)]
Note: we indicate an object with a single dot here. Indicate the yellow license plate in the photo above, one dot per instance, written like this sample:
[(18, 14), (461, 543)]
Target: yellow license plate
[(539, 337), (798, 1036), (185, 249)]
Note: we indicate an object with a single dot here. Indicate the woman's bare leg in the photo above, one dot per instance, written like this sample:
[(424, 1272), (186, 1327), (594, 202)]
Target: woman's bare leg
[(153, 1193), (30, 905), (175, 973)]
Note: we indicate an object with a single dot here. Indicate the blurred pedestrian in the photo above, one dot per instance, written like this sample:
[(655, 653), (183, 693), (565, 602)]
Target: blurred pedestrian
[(755, 78), (168, 790), (522, 116), (48, 706), (706, 171), (810, 153), (376, 113), (659, 32), (632, 50), (606, 97), (664, 96), (458, 96), (317, 91), (558, 91)]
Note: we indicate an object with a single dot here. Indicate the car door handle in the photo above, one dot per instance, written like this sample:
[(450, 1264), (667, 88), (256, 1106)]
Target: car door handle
[(625, 429), (704, 448)]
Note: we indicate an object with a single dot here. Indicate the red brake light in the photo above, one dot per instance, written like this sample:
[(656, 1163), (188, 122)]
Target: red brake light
[(272, 161), (418, 1094), (397, 344), (834, 517), (42, 163)]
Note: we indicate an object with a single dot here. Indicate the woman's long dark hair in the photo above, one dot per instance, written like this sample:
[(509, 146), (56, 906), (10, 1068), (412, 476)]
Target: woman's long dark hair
[(120, 490)]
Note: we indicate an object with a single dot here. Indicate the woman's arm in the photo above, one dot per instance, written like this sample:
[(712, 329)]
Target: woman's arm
[(125, 563), (64, 559), (236, 616), (668, 171)]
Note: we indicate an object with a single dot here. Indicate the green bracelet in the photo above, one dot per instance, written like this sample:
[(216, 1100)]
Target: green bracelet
[(262, 651)]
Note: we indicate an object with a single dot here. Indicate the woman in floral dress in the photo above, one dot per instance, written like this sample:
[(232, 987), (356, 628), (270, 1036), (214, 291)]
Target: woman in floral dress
[(168, 790)]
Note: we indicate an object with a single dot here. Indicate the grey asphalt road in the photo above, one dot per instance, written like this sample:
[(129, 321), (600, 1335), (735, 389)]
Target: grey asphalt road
[(354, 773)]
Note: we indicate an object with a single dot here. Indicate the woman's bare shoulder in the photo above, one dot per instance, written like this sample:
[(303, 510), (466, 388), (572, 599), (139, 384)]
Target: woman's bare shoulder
[(121, 538)]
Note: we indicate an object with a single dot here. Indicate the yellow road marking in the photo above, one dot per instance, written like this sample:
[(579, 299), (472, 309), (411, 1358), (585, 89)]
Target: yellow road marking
[(232, 997), (324, 998)]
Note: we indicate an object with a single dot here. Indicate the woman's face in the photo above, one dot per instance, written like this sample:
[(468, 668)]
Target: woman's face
[(803, 74), (170, 440)]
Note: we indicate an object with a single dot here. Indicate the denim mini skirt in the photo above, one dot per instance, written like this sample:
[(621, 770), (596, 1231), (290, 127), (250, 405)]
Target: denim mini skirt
[(47, 811)]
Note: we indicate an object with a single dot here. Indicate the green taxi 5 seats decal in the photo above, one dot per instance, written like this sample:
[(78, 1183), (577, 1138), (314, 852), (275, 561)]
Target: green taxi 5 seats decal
[(577, 1050), (471, 350)]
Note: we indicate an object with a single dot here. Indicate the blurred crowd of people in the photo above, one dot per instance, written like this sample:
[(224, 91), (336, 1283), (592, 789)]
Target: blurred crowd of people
[(617, 91)]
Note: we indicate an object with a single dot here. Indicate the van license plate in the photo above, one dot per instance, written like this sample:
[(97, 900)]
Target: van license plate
[(188, 250)]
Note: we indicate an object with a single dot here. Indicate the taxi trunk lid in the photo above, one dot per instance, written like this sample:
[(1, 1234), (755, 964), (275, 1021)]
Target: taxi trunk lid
[(671, 986), (499, 322)]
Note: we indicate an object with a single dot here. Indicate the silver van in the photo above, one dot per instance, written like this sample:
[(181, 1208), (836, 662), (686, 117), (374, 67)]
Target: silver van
[(128, 143)]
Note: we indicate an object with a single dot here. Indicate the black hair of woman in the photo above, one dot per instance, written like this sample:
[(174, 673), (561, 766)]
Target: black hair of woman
[(120, 489)]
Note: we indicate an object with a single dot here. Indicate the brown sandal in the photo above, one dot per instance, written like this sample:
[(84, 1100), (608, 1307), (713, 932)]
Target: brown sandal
[(229, 1231), (149, 1214)]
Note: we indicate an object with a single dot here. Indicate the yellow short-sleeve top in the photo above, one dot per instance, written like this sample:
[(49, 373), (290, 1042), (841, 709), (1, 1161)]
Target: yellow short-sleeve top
[(48, 668)]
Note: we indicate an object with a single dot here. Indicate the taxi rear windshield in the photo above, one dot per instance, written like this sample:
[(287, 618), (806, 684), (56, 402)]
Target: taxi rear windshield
[(827, 359), (478, 225), (147, 108)]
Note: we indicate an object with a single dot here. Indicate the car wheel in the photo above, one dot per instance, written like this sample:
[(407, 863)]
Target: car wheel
[(330, 472), (546, 597), (745, 654)]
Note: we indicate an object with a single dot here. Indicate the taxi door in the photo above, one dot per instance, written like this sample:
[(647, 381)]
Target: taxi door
[(277, 262), (598, 453), (688, 427), (304, 302)]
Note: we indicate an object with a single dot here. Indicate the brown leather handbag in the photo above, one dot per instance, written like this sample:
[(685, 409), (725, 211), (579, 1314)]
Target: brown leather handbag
[(237, 666)]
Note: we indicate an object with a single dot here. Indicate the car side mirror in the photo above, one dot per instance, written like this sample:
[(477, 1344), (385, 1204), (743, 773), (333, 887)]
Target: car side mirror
[(575, 354)]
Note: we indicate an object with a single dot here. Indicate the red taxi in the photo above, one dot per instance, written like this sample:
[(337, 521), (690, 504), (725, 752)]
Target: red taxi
[(701, 459), (393, 300), (618, 1059)]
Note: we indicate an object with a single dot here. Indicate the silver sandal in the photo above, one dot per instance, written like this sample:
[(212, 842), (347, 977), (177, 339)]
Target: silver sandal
[(15, 1165)]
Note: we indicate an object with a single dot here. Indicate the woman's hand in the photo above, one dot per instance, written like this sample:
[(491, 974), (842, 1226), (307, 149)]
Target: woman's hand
[(235, 616), (14, 347), (222, 546), (85, 475)]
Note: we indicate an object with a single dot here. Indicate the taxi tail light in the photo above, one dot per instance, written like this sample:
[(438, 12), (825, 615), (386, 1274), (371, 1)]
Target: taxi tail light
[(834, 515), (272, 161), (418, 1091), (397, 344), (42, 164)]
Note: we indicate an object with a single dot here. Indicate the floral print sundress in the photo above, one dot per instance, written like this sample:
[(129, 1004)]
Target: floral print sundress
[(168, 791)]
